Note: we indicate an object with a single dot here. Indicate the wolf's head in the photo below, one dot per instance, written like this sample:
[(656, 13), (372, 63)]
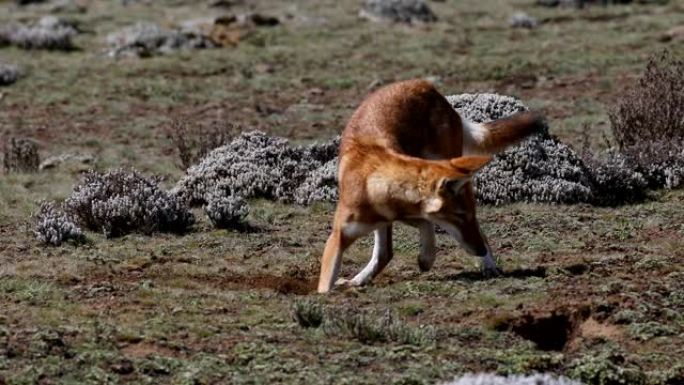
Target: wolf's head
[(451, 204)]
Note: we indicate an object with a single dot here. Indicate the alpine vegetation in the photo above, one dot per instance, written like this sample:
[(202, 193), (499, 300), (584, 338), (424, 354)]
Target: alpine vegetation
[(647, 121), (543, 169), (485, 107), (616, 178), (48, 33), (8, 74), (226, 211), (149, 39), (663, 167), (539, 169), (20, 155), (320, 185), (308, 313), (54, 227), (255, 165), (194, 142), (493, 379), (371, 327), (397, 11), (119, 202)]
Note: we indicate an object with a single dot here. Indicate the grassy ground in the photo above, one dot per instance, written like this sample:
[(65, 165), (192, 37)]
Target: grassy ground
[(593, 293)]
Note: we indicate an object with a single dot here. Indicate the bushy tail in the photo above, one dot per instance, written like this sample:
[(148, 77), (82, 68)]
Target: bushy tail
[(495, 136)]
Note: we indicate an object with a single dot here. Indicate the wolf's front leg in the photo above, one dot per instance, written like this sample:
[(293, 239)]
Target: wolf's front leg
[(382, 255), (488, 265), (428, 250), (471, 238)]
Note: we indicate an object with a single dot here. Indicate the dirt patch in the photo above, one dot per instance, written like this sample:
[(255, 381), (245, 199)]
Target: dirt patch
[(591, 328), (590, 17), (566, 89), (539, 271), (144, 349), (283, 285)]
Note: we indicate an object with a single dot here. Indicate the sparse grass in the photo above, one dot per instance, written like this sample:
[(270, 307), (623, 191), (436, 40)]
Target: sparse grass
[(373, 328), (216, 306), (308, 314)]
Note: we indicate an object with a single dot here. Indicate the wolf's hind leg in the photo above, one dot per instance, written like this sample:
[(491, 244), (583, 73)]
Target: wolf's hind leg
[(331, 261), (382, 254)]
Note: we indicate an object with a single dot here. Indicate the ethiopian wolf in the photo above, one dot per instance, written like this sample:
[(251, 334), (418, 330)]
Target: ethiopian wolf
[(406, 155)]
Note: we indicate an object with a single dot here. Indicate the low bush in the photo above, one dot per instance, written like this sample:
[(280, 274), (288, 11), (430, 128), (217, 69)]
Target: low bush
[(193, 142), (255, 165), (119, 202), (651, 110), (53, 227), (370, 328), (48, 33), (493, 379), (605, 368), (647, 122), (308, 313), (365, 327), (319, 186), (616, 178), (226, 211), (20, 155)]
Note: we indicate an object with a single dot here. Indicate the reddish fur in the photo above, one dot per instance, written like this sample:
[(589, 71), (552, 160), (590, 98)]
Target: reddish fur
[(506, 131), (385, 174)]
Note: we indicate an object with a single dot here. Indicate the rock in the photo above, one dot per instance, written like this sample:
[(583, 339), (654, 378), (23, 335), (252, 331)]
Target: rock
[(67, 6), (58, 160), (397, 11), (149, 39), (523, 20), (228, 30), (27, 2), (673, 34), (225, 3), (47, 33), (8, 74), (582, 3)]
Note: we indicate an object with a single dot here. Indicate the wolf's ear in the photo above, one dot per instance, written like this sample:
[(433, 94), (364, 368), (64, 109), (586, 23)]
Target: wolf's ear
[(468, 165)]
